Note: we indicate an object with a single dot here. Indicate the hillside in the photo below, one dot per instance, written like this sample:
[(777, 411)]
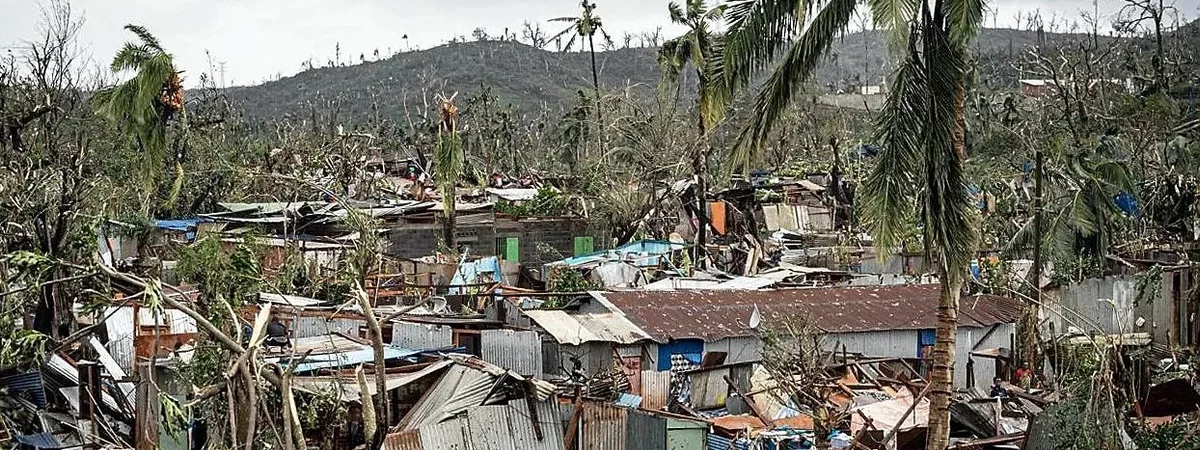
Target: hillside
[(531, 78), (516, 73)]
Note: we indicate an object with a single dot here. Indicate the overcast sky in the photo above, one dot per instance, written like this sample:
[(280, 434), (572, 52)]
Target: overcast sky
[(260, 39)]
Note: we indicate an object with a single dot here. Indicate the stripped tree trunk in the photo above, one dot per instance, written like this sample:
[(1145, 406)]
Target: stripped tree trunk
[(699, 170), (381, 395), (941, 379)]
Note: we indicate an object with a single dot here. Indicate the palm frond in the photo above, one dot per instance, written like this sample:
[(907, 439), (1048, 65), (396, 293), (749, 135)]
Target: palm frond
[(895, 17), (1021, 240), (716, 13), (570, 29), (890, 189), (677, 14), (948, 211), (758, 30), (143, 35), (793, 70), (964, 18)]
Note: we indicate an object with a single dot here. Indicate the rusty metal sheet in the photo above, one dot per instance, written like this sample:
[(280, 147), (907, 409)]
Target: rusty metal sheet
[(518, 351), (603, 427), (405, 440), (656, 389), (714, 315)]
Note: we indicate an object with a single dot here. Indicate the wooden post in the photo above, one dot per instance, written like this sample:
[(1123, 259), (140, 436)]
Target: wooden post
[(970, 372), (89, 391), (573, 424), (146, 421), (533, 413)]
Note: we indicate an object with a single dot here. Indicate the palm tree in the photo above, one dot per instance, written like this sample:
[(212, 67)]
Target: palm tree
[(448, 165), (1079, 208), (696, 48), (585, 26), (143, 105), (920, 129)]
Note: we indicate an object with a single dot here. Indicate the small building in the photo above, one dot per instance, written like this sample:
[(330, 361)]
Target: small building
[(708, 327)]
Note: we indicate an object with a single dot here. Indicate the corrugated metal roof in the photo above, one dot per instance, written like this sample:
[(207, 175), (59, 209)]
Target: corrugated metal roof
[(25, 385), (349, 386), (59, 373), (503, 426), (714, 315), (405, 440), (737, 283), (445, 435), (459, 388), (290, 300), (518, 351), (337, 351), (886, 415), (575, 329), (310, 326)]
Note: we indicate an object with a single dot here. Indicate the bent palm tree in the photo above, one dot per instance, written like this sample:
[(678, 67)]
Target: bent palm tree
[(921, 167), (142, 106), (696, 48), (1079, 201)]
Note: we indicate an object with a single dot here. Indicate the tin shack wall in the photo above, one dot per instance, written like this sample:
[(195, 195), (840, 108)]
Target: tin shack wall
[(969, 339), (737, 349), (421, 336), (519, 351), (446, 435), (686, 434), (645, 432), (309, 326), (603, 427)]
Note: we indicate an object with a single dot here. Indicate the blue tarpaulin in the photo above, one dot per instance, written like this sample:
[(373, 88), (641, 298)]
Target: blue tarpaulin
[(483, 270), (40, 440), (185, 225), (649, 250), (629, 401), (1127, 203)]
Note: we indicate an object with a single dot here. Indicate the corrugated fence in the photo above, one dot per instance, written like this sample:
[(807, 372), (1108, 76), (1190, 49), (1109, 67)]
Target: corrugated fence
[(519, 351), (416, 335), (498, 427), (309, 326), (610, 427)]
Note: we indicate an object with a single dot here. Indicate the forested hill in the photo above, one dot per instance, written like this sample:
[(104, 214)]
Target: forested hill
[(532, 78)]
